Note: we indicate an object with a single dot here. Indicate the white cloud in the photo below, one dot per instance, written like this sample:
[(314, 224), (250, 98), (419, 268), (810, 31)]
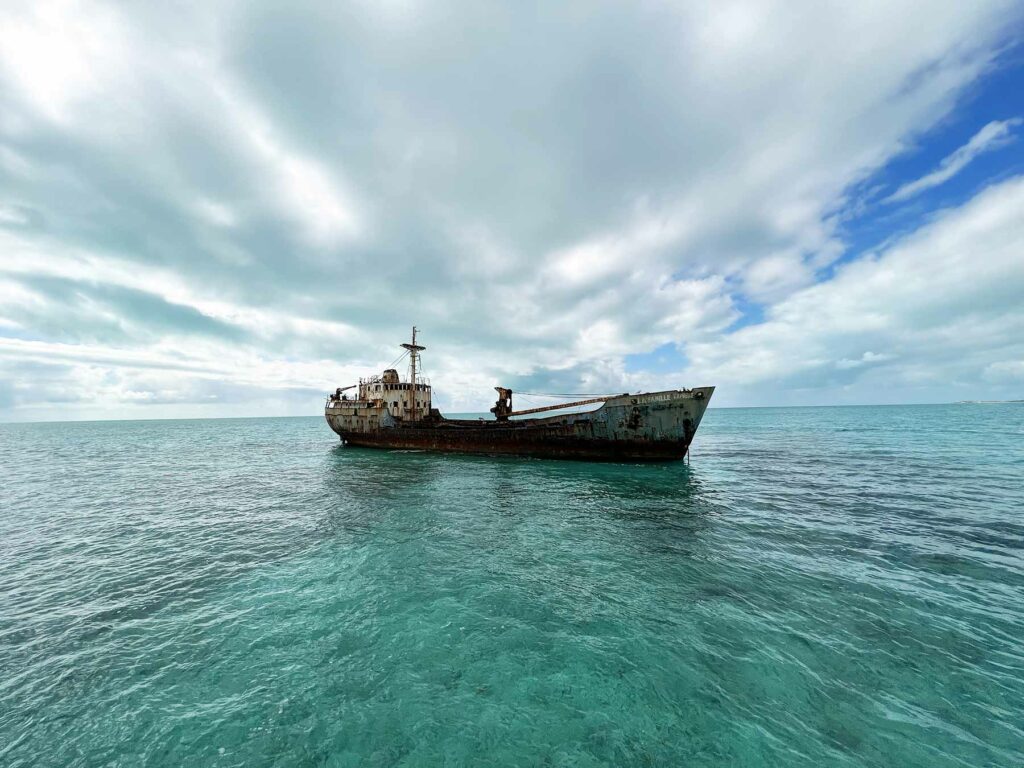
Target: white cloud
[(938, 312), (868, 358), (1006, 371), (61, 53), (11, 215), (994, 135), (216, 213), (307, 190), (252, 190)]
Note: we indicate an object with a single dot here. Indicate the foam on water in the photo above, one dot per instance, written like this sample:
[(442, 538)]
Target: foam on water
[(822, 586)]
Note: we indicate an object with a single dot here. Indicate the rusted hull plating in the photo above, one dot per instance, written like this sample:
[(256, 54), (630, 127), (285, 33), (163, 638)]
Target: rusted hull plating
[(657, 426)]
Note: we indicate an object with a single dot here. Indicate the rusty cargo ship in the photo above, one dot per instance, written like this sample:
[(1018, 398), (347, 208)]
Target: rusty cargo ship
[(386, 412)]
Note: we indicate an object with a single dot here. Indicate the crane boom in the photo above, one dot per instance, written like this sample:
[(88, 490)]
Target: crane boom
[(560, 406)]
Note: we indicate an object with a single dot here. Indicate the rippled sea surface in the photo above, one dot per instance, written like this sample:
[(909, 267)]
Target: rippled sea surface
[(820, 586)]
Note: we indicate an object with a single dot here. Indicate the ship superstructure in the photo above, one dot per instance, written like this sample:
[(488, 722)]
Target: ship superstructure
[(386, 412)]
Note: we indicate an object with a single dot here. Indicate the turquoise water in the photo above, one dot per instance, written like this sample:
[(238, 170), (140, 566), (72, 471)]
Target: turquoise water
[(821, 586)]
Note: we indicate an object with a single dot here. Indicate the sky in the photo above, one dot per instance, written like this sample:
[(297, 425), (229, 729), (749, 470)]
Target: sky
[(229, 209)]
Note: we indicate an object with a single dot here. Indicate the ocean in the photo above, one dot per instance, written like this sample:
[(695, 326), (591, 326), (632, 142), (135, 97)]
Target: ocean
[(818, 587)]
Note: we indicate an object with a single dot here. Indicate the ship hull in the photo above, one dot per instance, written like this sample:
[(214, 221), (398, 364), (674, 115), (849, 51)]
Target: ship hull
[(657, 426)]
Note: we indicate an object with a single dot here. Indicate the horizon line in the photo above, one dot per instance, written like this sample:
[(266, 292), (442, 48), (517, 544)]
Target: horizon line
[(475, 413)]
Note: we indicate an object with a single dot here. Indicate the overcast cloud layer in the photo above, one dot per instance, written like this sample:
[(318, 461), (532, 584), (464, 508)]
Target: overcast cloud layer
[(231, 211)]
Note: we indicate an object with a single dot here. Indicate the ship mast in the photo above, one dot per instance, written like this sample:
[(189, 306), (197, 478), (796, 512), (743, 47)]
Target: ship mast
[(414, 353)]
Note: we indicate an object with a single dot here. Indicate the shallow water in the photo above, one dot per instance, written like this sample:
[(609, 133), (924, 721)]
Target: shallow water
[(820, 586)]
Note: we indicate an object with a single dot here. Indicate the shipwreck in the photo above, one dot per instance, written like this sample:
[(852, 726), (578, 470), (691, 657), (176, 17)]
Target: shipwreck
[(386, 412)]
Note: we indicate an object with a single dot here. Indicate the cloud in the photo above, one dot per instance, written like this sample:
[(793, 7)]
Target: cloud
[(868, 358), (994, 135), (932, 317), (268, 197), (54, 64), (1011, 371)]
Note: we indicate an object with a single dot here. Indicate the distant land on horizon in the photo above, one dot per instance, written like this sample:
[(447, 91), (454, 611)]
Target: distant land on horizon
[(986, 402)]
